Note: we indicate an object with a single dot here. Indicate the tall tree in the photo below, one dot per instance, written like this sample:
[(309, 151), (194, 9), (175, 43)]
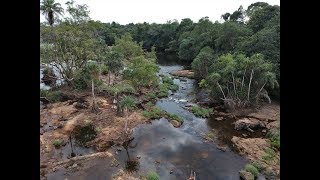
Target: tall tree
[(51, 9)]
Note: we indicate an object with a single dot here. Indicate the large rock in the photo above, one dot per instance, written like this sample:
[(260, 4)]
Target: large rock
[(253, 148), (175, 123), (184, 73), (248, 124)]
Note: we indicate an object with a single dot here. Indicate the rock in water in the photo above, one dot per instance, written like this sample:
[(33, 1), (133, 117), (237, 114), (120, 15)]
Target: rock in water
[(248, 124)]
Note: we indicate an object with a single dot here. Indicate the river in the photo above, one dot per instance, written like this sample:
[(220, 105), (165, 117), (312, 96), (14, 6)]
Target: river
[(174, 152)]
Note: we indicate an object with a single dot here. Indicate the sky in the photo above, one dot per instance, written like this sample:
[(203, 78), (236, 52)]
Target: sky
[(160, 11)]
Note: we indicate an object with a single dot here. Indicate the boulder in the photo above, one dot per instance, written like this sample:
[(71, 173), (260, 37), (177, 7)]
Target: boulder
[(248, 124), (253, 148), (175, 123)]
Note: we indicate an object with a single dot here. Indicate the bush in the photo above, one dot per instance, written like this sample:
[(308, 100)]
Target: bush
[(257, 165), (203, 83), (119, 89), (149, 105), (52, 96), (151, 96), (167, 80), (58, 143), (246, 175), (174, 87), (274, 136), (200, 112), (153, 176), (153, 113), (104, 69), (163, 90), (253, 170)]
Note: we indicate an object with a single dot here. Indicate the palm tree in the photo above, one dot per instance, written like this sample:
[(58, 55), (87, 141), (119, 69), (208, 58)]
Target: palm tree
[(50, 9), (127, 103)]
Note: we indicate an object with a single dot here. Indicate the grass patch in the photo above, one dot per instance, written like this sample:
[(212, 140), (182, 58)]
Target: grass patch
[(52, 96), (257, 165), (200, 112), (270, 154), (153, 113), (163, 90), (246, 175), (151, 96), (167, 80), (174, 117), (57, 143), (253, 170), (153, 176), (274, 136)]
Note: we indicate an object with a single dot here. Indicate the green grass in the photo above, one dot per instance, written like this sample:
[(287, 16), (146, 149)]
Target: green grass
[(243, 172), (174, 117), (200, 112), (270, 154), (153, 113), (52, 96), (167, 80), (253, 170), (257, 165), (163, 90), (151, 96), (153, 176), (58, 143), (274, 136)]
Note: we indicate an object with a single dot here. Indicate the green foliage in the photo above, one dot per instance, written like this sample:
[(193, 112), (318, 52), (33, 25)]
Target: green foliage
[(274, 136), (253, 170), (174, 117), (151, 96), (202, 62), (257, 165), (51, 10), (83, 78), (270, 154), (153, 176), (127, 102), (167, 80), (200, 112), (203, 83), (104, 69), (118, 89), (113, 60), (153, 113), (52, 96), (127, 47), (246, 174), (57, 143), (142, 72), (163, 90)]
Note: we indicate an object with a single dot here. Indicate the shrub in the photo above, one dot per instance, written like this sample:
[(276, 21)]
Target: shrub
[(151, 96), (153, 113), (257, 165), (167, 80), (274, 136), (104, 69), (52, 96), (246, 175), (58, 143), (253, 170), (200, 112), (149, 105), (203, 83), (163, 90), (174, 87), (153, 176)]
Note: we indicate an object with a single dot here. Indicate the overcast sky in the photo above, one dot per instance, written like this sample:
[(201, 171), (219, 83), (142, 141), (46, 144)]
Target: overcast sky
[(160, 11)]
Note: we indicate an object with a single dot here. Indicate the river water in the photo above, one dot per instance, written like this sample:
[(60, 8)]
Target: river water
[(174, 152)]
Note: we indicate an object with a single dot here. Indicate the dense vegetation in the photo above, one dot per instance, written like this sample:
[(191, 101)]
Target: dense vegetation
[(238, 59)]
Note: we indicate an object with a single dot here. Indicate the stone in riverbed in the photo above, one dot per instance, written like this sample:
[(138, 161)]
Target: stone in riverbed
[(248, 124), (219, 118), (175, 123)]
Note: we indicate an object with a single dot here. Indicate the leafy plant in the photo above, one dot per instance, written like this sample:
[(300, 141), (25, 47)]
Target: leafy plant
[(253, 170), (58, 143), (153, 176), (200, 112)]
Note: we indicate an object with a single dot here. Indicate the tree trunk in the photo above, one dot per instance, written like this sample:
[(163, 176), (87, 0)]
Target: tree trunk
[(250, 85), (234, 85), (224, 96), (261, 89), (242, 83), (94, 105), (109, 77), (126, 125)]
